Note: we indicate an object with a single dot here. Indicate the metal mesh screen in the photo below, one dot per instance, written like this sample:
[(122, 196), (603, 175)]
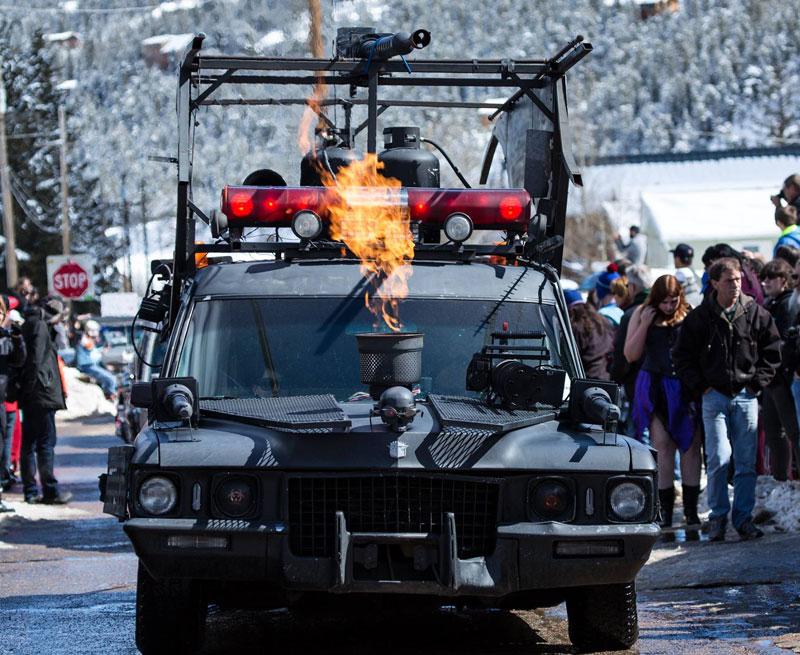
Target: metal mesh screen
[(391, 504)]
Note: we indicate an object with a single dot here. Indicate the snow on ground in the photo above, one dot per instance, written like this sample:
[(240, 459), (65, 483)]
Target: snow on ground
[(84, 398), (38, 513), (778, 504)]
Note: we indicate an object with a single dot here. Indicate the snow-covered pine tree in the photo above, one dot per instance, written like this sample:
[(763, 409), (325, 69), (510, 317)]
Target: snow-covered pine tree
[(32, 127), (32, 124)]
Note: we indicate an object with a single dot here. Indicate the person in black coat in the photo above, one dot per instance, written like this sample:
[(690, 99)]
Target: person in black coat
[(41, 394), (12, 356), (780, 416), (728, 351)]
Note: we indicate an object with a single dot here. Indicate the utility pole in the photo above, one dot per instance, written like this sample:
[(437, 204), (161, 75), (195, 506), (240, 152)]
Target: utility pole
[(65, 234), (143, 205), (127, 281), (8, 202)]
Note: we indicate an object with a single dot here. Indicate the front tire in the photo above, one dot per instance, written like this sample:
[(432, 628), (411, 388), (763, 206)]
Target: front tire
[(603, 617), (170, 614)]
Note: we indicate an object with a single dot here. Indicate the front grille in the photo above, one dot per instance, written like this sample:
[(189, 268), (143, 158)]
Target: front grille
[(391, 504)]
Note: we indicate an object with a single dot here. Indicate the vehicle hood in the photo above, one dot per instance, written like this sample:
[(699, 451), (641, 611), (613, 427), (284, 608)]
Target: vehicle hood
[(224, 443)]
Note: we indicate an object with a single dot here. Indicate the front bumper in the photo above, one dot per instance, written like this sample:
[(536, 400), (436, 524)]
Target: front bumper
[(525, 557)]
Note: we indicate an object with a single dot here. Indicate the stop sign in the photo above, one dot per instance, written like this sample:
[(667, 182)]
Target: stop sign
[(71, 280)]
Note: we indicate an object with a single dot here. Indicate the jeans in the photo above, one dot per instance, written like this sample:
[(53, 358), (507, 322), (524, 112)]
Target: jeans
[(7, 438), (780, 416), (38, 448), (731, 426), (106, 380)]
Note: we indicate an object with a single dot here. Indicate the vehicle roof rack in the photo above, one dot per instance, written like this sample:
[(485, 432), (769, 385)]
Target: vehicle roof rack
[(549, 163)]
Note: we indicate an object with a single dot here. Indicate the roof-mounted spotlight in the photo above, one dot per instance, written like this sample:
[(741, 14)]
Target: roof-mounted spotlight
[(458, 227), (307, 225)]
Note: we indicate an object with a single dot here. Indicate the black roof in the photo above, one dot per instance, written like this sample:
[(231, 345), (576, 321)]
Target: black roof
[(700, 155)]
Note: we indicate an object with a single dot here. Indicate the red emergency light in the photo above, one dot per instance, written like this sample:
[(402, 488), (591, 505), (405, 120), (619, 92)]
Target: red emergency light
[(483, 209)]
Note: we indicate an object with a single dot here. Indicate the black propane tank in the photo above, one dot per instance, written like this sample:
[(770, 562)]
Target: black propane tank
[(330, 158), (404, 160)]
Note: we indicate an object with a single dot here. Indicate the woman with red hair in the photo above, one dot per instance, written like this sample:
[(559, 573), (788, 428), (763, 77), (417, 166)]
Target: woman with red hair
[(661, 404)]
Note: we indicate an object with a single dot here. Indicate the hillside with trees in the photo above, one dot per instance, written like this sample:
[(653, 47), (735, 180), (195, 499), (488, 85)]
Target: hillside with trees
[(711, 75)]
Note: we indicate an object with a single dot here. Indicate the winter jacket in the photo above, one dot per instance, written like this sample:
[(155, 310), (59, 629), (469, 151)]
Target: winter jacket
[(727, 355), (781, 311), (40, 380), (594, 347), (87, 353), (789, 237), (12, 357)]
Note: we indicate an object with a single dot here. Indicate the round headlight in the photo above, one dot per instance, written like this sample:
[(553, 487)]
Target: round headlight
[(552, 499), (235, 497), (307, 225), (158, 495), (458, 227), (628, 501)]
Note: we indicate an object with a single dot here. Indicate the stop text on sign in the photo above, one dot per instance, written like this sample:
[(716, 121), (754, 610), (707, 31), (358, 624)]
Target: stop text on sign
[(70, 281)]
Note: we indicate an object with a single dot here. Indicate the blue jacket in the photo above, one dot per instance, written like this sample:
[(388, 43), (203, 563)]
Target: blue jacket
[(791, 238)]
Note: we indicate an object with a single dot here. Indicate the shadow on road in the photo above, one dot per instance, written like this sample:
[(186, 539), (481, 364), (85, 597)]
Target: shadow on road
[(433, 632), (100, 535)]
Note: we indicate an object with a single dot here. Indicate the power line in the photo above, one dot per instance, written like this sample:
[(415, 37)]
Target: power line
[(22, 198)]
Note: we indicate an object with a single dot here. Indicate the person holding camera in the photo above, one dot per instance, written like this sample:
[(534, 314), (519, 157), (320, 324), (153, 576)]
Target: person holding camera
[(779, 412), (727, 352), (41, 394), (12, 356), (789, 193)]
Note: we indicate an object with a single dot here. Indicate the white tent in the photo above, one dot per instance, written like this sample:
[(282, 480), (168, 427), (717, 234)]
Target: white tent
[(699, 199)]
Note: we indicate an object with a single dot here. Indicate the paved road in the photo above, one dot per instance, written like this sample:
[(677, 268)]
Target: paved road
[(67, 585)]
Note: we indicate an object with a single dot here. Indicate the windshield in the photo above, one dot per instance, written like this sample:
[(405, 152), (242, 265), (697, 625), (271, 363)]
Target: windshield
[(114, 335), (265, 347)]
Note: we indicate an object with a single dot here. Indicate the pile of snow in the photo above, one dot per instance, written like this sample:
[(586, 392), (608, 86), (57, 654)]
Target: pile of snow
[(777, 504), (84, 398)]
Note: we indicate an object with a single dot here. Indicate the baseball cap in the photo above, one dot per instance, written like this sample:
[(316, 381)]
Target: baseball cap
[(573, 297), (683, 250), (603, 285)]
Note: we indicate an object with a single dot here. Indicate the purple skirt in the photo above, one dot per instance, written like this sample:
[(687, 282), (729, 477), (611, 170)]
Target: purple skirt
[(677, 411)]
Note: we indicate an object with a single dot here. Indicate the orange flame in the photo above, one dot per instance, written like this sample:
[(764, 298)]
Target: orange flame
[(369, 215)]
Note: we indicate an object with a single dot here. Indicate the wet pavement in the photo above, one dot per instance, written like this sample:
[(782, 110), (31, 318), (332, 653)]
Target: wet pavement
[(67, 585)]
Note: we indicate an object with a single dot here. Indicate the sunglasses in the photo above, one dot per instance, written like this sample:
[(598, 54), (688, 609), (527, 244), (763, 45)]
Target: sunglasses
[(775, 276)]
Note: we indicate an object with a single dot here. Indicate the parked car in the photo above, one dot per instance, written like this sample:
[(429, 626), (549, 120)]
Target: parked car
[(145, 365)]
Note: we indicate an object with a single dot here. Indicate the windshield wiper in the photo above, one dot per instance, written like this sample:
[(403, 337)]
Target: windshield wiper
[(262, 337), (219, 397)]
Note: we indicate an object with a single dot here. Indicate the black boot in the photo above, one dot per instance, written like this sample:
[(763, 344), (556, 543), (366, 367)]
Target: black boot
[(690, 495), (666, 498)]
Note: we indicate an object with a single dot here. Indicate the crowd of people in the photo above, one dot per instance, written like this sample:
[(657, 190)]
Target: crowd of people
[(33, 388), (709, 365)]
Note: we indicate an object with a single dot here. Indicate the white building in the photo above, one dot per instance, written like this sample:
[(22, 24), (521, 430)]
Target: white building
[(695, 198)]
